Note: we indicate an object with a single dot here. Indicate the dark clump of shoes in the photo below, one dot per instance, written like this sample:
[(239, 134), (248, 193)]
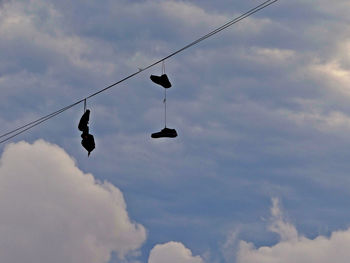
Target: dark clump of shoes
[(166, 132), (88, 141), (161, 80)]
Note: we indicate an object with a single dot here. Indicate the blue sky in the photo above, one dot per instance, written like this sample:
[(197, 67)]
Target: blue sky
[(261, 110)]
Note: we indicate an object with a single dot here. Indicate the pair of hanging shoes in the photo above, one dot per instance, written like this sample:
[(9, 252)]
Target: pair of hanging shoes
[(88, 141), (165, 83), (165, 133), (161, 80)]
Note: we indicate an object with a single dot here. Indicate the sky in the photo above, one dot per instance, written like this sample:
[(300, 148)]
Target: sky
[(258, 172)]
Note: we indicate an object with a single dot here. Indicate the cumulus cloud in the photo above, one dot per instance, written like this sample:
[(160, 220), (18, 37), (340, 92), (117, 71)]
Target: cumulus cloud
[(294, 247), (52, 212), (173, 252)]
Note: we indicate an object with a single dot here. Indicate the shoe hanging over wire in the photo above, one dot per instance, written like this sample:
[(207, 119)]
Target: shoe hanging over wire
[(84, 121), (165, 83), (88, 141), (161, 80)]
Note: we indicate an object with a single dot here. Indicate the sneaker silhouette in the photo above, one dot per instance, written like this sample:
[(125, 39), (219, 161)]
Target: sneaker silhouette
[(83, 123), (88, 142), (166, 132), (162, 80)]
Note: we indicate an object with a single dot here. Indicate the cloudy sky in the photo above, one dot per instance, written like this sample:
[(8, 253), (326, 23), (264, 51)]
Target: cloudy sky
[(258, 173)]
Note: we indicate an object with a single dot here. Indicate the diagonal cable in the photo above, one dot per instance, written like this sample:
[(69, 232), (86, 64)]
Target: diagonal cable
[(13, 133)]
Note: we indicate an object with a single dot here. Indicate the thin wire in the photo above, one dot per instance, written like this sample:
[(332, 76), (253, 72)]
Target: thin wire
[(164, 100), (165, 108), (43, 119), (32, 124), (232, 22)]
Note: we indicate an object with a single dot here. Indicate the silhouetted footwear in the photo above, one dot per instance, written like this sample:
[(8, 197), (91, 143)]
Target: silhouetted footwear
[(162, 80), (166, 132), (83, 123), (88, 142)]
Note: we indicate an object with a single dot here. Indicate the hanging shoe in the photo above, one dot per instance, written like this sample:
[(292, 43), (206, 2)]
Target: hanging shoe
[(162, 80), (83, 123), (88, 142), (166, 132)]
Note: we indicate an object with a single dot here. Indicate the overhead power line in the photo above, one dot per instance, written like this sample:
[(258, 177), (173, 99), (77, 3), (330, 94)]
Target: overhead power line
[(13, 133)]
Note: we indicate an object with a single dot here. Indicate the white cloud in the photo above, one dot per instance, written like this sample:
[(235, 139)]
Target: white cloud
[(332, 74), (173, 252), (190, 14), (332, 69), (52, 212), (285, 230), (294, 247), (229, 248)]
